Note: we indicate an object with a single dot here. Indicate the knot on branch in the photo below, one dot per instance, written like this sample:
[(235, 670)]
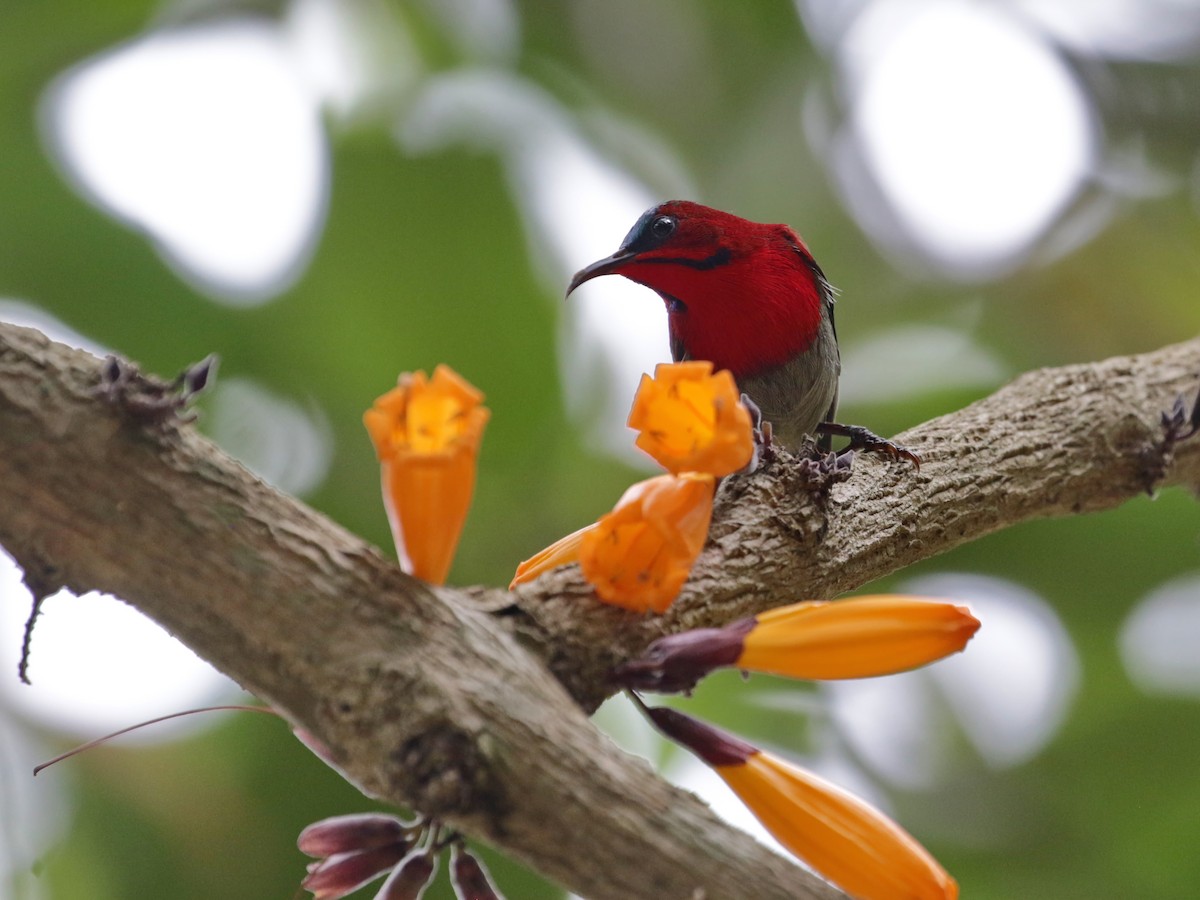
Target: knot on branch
[(450, 771)]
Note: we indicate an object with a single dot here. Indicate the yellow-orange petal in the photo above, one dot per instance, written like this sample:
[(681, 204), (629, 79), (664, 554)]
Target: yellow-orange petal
[(844, 838), (562, 552), (427, 415), (385, 418), (639, 555), (427, 434), (691, 419), (855, 638), (445, 414)]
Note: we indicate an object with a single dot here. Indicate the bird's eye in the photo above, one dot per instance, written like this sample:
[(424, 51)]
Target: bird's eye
[(649, 231), (663, 227)]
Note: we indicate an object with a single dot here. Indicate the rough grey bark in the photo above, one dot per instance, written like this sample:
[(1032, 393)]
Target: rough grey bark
[(443, 698)]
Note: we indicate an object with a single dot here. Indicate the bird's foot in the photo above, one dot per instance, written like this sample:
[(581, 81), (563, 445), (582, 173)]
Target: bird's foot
[(865, 439), (764, 447)]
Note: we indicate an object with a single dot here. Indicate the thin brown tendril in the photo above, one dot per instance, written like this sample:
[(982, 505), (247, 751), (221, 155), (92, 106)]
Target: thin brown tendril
[(96, 742)]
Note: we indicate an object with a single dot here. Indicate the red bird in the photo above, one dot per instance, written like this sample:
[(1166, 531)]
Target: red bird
[(751, 299)]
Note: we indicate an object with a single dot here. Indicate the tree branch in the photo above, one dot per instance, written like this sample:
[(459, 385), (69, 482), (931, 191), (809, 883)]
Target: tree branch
[(1054, 442), (441, 698)]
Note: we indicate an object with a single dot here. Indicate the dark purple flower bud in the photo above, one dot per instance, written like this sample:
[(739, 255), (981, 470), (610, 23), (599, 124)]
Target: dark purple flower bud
[(345, 873), (112, 370), (470, 878), (346, 834), (199, 375), (409, 880), (676, 662)]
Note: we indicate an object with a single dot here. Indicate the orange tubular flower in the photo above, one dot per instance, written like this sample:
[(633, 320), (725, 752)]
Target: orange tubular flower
[(691, 420), (562, 552), (842, 837), (857, 638), (427, 434), (639, 555)]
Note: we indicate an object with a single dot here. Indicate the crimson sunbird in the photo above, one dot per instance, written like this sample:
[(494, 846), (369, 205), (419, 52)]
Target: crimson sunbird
[(750, 298)]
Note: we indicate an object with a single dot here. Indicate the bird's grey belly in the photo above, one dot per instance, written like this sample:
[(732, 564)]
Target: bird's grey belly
[(798, 395)]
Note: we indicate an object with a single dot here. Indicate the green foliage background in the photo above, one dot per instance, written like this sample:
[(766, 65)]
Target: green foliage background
[(425, 259)]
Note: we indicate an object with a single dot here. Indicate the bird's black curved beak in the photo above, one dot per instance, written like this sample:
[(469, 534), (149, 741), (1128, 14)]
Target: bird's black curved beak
[(607, 266)]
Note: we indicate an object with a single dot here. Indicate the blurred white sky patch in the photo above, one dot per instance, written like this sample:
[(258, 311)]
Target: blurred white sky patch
[(908, 361), (98, 665), (1007, 693), (276, 438), (1012, 688), (577, 206), (1159, 639), (973, 130), (205, 138)]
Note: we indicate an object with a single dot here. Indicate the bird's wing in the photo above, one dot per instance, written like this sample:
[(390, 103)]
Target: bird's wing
[(827, 290), (829, 298)]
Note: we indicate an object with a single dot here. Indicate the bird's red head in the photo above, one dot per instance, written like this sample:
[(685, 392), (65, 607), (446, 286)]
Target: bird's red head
[(744, 295)]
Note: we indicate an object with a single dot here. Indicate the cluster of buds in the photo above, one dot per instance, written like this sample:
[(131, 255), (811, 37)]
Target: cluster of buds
[(693, 423), (354, 850)]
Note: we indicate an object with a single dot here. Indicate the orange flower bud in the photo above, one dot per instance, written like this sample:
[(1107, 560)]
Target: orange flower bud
[(842, 837), (639, 555), (562, 552), (692, 420), (427, 434), (855, 638)]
